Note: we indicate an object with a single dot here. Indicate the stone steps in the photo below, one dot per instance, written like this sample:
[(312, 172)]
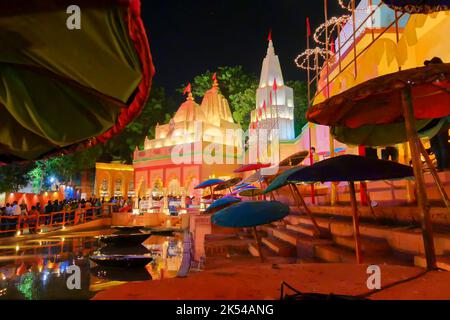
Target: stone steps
[(333, 253), (443, 262), (286, 235), (368, 244), (281, 248), (303, 229), (253, 249)]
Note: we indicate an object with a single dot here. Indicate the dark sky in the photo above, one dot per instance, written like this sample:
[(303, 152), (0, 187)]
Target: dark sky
[(190, 37)]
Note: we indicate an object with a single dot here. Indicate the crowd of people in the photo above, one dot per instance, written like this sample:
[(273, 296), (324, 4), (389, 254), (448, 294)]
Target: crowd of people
[(29, 215), (15, 209)]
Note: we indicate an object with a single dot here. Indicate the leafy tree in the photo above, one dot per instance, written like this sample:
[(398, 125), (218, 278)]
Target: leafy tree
[(121, 147), (244, 102), (14, 177), (300, 103), (65, 168)]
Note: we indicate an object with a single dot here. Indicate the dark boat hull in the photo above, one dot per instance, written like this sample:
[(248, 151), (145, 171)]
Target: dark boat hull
[(118, 274), (132, 239), (121, 261), (127, 229)]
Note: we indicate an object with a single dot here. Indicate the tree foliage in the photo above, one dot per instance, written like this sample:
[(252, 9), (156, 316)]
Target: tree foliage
[(14, 177), (300, 103), (64, 168), (121, 147)]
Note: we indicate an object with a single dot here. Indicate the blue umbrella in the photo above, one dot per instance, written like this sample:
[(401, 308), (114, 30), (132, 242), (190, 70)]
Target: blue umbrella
[(222, 203), (209, 184), (350, 168), (251, 214), (282, 179), (241, 185)]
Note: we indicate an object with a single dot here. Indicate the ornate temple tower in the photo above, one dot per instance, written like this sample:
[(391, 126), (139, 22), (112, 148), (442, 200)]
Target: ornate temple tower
[(216, 108), (274, 100)]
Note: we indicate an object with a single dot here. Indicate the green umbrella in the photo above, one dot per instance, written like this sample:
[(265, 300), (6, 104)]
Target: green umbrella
[(63, 89), (282, 180)]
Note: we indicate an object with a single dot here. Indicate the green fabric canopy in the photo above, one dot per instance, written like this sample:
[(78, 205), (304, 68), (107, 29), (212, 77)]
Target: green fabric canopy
[(385, 135), (63, 89)]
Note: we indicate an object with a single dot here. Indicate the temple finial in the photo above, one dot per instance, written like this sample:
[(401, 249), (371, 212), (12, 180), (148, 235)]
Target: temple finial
[(215, 82)]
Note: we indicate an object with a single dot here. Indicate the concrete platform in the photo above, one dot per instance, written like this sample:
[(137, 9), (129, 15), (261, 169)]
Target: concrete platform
[(242, 277)]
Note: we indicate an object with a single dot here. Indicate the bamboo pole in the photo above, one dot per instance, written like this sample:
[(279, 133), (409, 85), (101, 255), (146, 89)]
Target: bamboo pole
[(422, 201), (369, 201), (409, 189), (356, 234), (310, 124), (301, 202), (258, 244), (354, 38), (435, 175)]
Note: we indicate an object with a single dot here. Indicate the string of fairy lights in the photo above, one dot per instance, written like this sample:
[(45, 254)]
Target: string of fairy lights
[(347, 6), (302, 59), (319, 53), (332, 25)]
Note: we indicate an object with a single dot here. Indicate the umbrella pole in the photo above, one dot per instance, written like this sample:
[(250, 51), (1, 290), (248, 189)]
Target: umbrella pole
[(355, 222), (422, 201), (369, 202), (258, 244), (301, 203), (435, 175), (261, 186)]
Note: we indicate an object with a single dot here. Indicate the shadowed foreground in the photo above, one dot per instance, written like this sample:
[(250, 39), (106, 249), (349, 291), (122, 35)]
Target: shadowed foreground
[(229, 279)]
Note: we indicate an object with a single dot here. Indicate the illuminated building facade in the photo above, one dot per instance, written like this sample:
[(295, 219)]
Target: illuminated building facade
[(179, 157)]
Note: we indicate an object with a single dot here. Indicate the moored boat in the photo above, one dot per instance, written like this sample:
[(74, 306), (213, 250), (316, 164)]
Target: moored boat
[(122, 261), (131, 239)]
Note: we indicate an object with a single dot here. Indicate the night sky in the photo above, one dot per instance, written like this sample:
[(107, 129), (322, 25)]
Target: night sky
[(190, 37)]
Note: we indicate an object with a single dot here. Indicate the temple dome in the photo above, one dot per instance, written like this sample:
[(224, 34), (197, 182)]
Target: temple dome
[(189, 111), (216, 107)]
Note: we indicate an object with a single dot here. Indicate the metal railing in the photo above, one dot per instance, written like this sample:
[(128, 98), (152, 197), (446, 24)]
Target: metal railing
[(331, 63), (17, 224)]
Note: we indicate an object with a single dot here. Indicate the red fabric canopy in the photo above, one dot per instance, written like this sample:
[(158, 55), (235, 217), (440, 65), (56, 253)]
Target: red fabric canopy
[(378, 101), (252, 166)]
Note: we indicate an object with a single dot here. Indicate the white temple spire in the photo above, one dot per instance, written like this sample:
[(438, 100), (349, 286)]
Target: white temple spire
[(280, 113)]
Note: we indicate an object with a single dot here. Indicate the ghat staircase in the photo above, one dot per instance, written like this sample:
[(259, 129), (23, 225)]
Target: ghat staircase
[(295, 238)]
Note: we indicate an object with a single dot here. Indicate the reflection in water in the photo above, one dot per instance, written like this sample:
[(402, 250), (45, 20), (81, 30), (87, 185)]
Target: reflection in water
[(36, 269)]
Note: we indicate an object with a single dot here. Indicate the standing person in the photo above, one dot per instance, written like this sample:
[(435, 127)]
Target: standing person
[(371, 153), (23, 209), (16, 211), (390, 152), (439, 143), (315, 155), (8, 209), (48, 210), (32, 219), (441, 147)]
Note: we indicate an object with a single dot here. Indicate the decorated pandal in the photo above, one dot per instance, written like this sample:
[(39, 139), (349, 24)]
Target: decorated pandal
[(170, 167)]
